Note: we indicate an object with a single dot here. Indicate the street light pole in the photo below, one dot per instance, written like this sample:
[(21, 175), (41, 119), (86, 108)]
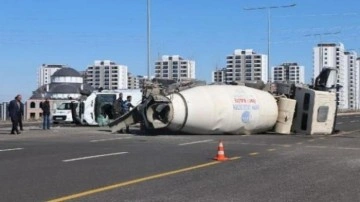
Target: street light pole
[(148, 39), (268, 46), (268, 8)]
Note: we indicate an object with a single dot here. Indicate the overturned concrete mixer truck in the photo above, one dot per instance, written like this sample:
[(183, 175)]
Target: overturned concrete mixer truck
[(237, 109)]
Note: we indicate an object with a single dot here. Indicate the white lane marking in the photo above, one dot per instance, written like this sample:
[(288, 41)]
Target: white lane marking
[(353, 121), (314, 146), (110, 139), (340, 123), (260, 144), (324, 147), (256, 144), (201, 141), (282, 145), (350, 148), (13, 149), (96, 156)]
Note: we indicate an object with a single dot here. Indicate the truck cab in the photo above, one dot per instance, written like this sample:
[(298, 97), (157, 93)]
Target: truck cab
[(99, 105)]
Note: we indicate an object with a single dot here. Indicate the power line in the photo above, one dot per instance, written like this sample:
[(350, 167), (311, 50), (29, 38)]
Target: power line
[(319, 15)]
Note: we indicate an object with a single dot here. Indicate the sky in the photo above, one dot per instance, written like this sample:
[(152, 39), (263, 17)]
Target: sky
[(77, 32)]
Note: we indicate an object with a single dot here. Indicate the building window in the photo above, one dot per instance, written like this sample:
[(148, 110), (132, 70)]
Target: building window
[(32, 105)]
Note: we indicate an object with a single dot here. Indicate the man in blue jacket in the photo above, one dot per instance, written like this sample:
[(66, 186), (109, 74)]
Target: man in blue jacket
[(16, 110)]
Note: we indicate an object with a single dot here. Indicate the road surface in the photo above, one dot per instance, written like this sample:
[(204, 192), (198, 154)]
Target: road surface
[(90, 164)]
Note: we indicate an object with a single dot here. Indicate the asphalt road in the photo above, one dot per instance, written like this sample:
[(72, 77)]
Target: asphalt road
[(90, 164), (348, 122)]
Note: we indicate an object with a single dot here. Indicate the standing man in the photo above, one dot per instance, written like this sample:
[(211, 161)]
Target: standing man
[(126, 108), (22, 116), (15, 112), (45, 106), (73, 106), (118, 106)]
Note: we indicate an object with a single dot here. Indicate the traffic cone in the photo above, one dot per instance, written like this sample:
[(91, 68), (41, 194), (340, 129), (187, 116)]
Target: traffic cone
[(221, 154)]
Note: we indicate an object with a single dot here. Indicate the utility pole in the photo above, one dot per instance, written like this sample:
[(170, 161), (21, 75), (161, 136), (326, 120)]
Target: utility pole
[(268, 8), (148, 39)]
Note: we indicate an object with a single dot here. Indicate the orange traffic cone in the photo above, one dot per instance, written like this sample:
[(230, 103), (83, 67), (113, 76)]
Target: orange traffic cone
[(221, 154)]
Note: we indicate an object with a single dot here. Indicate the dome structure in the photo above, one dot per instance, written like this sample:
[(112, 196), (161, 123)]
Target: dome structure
[(67, 75), (65, 82), (66, 72)]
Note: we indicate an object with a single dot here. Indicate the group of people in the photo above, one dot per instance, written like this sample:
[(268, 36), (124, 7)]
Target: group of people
[(16, 113), (121, 107)]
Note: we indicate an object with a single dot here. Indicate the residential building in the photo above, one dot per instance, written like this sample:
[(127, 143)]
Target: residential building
[(332, 55), (353, 80), (246, 65), (107, 75), (46, 71), (135, 82), (174, 67), (4, 114), (358, 81), (219, 76), (288, 72)]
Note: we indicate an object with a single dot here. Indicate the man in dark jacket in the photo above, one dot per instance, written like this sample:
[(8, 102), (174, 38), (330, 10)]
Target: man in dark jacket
[(45, 106), (118, 106), (16, 111)]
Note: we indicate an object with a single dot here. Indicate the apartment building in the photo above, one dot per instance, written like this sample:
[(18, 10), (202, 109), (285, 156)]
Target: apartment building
[(288, 72), (353, 79), (135, 82), (108, 75), (357, 64), (174, 67), (4, 114), (333, 55), (46, 71), (246, 65), (219, 76)]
